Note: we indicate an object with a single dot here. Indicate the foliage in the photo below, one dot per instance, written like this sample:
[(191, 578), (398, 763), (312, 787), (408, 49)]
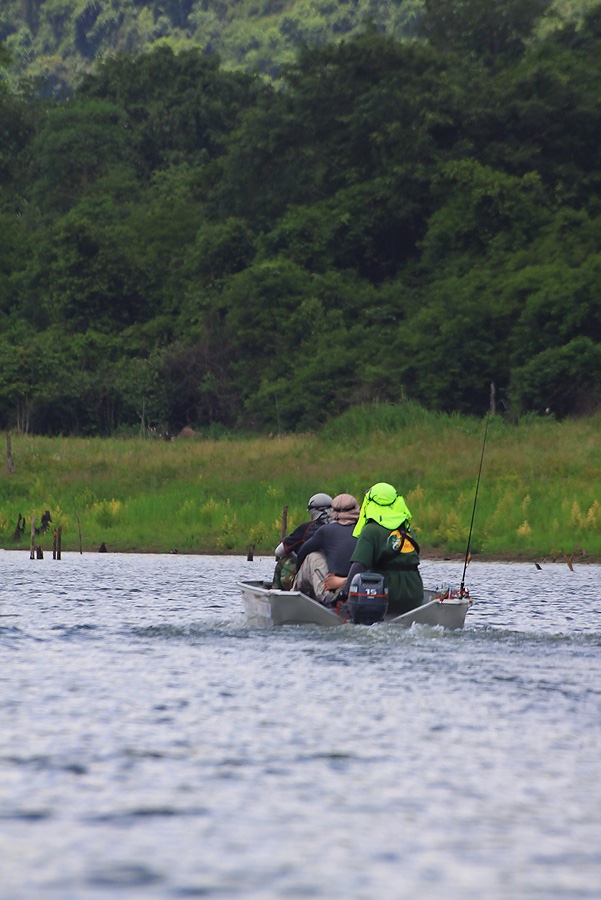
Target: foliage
[(188, 245), (568, 379), (53, 41), (487, 30), (59, 39)]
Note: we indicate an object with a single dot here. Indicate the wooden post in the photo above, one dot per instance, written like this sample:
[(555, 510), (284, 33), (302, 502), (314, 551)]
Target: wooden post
[(54, 544), (284, 523), (32, 539), (9, 454), (58, 541), (19, 529), (39, 553), (251, 553)]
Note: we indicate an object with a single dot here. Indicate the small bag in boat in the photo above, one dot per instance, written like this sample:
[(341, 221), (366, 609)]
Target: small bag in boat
[(368, 599), (285, 570)]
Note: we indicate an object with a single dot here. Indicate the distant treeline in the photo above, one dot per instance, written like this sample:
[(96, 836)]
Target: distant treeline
[(185, 244), (52, 41)]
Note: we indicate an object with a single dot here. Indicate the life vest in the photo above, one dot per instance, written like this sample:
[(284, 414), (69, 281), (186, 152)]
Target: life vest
[(401, 541)]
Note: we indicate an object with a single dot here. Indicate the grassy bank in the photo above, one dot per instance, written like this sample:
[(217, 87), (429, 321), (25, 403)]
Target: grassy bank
[(539, 496)]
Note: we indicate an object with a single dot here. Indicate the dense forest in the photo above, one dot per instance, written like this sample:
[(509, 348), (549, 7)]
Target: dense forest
[(51, 41), (185, 243)]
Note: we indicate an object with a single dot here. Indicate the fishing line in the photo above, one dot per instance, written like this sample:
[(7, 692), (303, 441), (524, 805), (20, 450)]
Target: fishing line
[(469, 539)]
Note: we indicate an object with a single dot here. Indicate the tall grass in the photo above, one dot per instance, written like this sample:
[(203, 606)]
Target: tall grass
[(539, 497)]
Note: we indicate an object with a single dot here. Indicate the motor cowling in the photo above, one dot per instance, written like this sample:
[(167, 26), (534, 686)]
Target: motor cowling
[(368, 599)]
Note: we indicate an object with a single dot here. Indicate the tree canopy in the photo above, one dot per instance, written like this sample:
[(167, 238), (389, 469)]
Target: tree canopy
[(184, 244)]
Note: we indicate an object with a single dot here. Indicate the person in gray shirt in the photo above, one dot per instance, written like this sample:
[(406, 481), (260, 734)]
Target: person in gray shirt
[(328, 550)]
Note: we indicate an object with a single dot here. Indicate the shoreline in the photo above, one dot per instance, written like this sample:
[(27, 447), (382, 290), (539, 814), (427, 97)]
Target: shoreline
[(539, 501), (426, 556)]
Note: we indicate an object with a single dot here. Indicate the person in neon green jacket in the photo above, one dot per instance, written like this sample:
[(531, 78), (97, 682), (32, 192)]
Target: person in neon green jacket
[(386, 545)]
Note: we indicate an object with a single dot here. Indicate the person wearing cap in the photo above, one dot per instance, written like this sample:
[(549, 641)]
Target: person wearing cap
[(386, 545), (319, 508), (328, 550)]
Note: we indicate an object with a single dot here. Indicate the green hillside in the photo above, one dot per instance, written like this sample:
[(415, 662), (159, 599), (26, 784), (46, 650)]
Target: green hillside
[(188, 244), (57, 39), (62, 37)]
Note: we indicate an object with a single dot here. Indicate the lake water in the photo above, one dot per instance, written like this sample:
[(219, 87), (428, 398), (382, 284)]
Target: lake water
[(153, 745)]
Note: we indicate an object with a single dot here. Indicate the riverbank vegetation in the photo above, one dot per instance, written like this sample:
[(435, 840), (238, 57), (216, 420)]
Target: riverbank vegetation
[(539, 494), (189, 245)]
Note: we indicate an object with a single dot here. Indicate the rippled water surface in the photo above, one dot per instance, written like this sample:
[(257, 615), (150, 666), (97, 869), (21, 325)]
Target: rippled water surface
[(153, 745)]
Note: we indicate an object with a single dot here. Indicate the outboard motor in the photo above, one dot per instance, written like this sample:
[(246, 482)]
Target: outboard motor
[(368, 599)]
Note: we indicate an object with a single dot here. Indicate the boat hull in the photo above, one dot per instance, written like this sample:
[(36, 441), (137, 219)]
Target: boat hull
[(267, 607)]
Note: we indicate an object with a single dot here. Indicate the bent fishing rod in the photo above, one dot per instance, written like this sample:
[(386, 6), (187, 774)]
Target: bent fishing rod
[(469, 538)]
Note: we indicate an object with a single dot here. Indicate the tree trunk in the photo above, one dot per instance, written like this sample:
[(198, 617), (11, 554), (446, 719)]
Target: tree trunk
[(9, 454)]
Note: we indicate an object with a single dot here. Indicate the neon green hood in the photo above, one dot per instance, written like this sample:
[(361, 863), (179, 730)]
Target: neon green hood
[(382, 504)]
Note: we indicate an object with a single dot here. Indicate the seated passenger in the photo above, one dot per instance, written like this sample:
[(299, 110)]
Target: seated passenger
[(319, 508), (385, 545), (329, 550)]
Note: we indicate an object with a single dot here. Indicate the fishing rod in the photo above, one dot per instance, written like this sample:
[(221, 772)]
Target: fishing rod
[(469, 538)]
